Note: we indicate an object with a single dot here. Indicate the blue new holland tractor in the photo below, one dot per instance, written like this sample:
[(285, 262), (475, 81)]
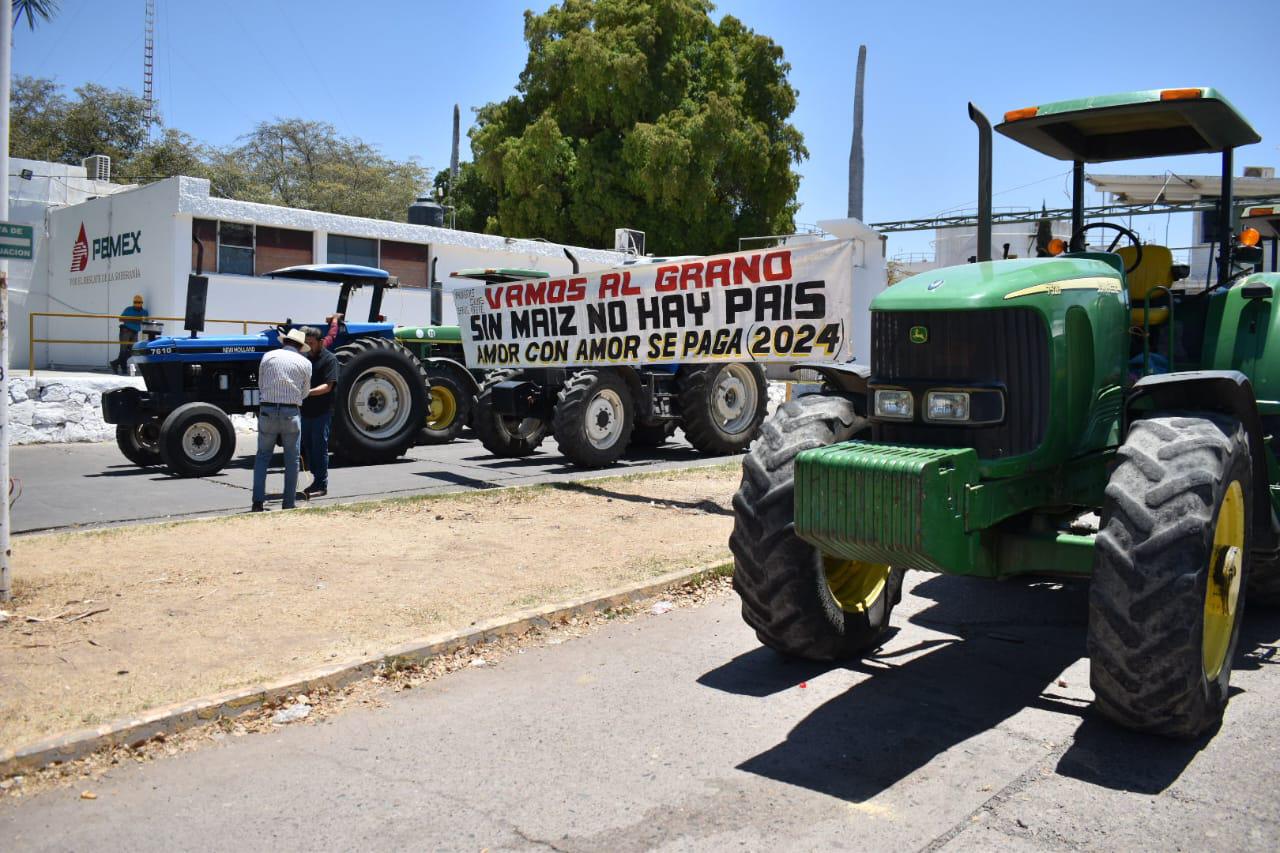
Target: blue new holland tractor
[(193, 384)]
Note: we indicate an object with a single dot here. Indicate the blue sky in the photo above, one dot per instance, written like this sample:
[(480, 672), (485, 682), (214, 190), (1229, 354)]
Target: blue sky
[(390, 72)]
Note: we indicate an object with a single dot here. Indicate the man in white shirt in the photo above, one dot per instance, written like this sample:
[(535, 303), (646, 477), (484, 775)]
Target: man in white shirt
[(284, 379)]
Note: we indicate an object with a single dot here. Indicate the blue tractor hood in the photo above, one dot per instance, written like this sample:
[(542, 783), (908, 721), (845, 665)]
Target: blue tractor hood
[(240, 347)]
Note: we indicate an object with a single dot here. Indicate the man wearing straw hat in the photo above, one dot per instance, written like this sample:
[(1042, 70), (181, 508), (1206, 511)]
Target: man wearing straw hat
[(284, 380), (130, 326)]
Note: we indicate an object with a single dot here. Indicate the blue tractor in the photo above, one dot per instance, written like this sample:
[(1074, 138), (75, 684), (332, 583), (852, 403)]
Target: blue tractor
[(194, 383)]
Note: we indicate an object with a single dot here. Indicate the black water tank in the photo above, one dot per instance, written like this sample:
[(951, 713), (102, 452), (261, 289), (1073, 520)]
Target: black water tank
[(424, 211)]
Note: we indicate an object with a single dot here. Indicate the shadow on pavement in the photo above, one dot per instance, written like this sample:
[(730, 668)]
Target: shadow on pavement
[(1014, 640), (708, 506), (458, 479)]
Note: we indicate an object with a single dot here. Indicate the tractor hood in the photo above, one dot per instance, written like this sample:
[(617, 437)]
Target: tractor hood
[(430, 334), (997, 284), (235, 347)]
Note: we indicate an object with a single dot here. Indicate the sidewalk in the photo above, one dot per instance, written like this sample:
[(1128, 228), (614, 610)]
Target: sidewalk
[(112, 622)]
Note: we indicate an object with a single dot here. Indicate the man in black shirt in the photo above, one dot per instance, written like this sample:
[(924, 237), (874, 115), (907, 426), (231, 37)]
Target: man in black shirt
[(317, 412)]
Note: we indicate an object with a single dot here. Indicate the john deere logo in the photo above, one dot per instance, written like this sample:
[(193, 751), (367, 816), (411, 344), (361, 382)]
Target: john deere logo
[(919, 335)]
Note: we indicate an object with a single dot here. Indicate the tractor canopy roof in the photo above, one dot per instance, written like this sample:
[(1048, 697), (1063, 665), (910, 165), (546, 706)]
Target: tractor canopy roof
[(500, 275), (1131, 125), (340, 273)]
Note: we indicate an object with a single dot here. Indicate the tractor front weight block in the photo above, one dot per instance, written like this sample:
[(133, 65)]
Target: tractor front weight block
[(928, 509)]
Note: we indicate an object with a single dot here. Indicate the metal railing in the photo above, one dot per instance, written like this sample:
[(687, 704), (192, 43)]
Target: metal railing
[(32, 340)]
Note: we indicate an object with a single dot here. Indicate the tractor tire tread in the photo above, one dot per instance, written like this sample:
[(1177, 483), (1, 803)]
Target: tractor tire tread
[(1147, 595)]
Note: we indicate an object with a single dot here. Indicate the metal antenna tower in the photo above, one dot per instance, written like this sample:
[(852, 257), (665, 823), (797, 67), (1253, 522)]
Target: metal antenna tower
[(149, 62)]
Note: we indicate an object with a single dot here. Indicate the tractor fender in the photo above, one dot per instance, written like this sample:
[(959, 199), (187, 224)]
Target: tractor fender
[(438, 361), (847, 377), (1228, 392)]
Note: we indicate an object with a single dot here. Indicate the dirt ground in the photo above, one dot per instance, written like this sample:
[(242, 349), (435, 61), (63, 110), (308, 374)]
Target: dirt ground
[(129, 618)]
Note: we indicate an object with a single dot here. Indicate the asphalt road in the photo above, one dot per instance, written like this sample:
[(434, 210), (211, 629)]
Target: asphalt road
[(65, 485), (970, 730)]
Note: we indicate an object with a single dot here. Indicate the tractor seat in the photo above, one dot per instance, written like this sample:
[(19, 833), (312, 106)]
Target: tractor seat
[(1156, 270)]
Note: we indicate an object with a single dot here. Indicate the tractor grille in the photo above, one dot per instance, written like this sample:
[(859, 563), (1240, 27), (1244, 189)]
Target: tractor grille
[(1007, 347)]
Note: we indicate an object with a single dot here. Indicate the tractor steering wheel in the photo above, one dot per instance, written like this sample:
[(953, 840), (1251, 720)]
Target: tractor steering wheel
[(1077, 238), (283, 328)]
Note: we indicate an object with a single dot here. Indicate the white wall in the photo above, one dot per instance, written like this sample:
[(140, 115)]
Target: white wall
[(107, 284), (870, 277)]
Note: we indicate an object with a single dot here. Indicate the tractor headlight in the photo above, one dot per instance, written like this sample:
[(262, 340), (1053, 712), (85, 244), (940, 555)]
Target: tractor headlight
[(946, 406), (894, 403)]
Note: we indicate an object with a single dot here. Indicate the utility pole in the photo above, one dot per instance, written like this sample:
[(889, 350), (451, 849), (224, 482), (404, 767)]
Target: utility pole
[(6, 52), (855, 148)]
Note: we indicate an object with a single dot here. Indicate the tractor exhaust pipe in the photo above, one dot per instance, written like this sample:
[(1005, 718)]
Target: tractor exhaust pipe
[(572, 260), (984, 182), (437, 296)]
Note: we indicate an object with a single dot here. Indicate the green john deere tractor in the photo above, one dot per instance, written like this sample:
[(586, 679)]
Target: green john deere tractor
[(1079, 415)]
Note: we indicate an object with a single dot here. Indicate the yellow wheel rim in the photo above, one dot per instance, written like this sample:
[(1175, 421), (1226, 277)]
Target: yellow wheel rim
[(1222, 591), (854, 584), (443, 408)]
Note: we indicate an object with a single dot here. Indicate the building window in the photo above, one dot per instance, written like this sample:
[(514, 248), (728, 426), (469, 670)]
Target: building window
[(405, 261), (235, 248), (353, 250), (277, 248), (205, 232)]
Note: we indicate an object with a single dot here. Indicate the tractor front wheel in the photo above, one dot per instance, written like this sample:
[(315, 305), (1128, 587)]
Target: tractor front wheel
[(449, 400), (1170, 569), (594, 417), (140, 442), (800, 601), (196, 440), (723, 405)]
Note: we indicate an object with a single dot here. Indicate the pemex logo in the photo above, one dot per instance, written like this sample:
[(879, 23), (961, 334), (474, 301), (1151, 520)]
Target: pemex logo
[(80, 252)]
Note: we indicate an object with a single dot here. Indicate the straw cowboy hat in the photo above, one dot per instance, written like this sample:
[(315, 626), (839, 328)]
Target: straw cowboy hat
[(295, 335)]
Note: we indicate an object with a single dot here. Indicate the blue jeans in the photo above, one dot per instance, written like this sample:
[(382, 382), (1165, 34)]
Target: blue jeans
[(285, 423), (315, 448)]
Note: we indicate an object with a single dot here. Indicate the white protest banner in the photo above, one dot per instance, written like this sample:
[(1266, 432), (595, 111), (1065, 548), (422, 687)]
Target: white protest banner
[(783, 304)]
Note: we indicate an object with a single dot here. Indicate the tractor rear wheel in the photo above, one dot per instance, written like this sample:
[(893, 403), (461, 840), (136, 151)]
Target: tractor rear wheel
[(140, 442), (1264, 582), (723, 405), (800, 601), (380, 403), (449, 399), (196, 440), (594, 417), (1170, 569), (505, 435)]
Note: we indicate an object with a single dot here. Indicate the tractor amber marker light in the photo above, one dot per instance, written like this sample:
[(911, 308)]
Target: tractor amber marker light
[(1102, 285)]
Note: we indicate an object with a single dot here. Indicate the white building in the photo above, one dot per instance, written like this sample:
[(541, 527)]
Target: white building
[(98, 243)]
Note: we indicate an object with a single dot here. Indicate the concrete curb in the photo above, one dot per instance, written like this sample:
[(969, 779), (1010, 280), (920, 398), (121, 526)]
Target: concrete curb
[(174, 718)]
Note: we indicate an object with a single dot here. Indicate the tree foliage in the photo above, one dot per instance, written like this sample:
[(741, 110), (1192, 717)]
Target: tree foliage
[(473, 201), (643, 114), (291, 161)]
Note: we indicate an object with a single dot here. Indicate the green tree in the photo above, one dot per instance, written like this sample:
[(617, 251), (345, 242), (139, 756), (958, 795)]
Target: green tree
[(474, 202), (42, 9), (46, 125), (307, 164), (643, 114)]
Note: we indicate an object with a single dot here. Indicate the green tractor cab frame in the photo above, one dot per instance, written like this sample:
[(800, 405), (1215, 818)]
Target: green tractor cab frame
[(1045, 416)]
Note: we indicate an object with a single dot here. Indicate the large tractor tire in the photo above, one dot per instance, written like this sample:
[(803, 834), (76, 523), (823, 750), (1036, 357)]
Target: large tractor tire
[(449, 403), (594, 417), (140, 442), (1170, 571), (502, 435), (381, 401), (196, 440), (723, 405), (800, 601)]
